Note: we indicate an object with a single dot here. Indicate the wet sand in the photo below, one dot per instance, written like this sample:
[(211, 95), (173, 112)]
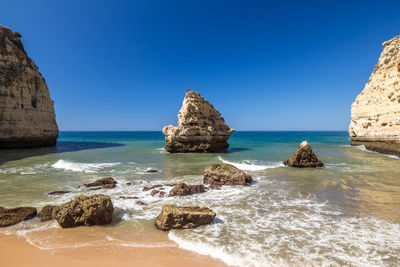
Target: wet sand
[(16, 251)]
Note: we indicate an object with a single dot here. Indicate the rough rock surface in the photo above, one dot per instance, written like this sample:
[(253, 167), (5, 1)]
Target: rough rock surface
[(27, 117), (225, 174), (375, 114), (303, 157), (85, 210), (13, 216), (46, 213), (183, 189), (174, 217), (107, 182), (200, 127)]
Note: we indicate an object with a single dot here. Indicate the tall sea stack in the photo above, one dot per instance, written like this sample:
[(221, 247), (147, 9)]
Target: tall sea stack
[(375, 115), (200, 128), (27, 117)]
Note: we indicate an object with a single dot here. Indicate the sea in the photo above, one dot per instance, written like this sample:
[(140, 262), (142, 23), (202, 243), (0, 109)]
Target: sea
[(344, 214)]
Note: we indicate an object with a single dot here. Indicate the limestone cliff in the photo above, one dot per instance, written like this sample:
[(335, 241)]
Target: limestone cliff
[(200, 127), (27, 117)]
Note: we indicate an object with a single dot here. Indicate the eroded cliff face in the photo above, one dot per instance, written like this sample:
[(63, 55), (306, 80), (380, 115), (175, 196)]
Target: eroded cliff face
[(375, 115), (200, 127), (27, 117)]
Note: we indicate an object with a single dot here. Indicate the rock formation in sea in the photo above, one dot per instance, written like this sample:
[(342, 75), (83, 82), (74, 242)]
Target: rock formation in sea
[(27, 117), (183, 189), (375, 114), (46, 213), (13, 216), (175, 217), (225, 174), (106, 183), (84, 210), (200, 127), (303, 157)]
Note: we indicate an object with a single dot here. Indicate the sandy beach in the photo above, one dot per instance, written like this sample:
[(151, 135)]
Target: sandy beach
[(16, 251)]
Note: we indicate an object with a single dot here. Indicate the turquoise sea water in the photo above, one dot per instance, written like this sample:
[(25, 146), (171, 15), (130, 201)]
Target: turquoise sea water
[(347, 213)]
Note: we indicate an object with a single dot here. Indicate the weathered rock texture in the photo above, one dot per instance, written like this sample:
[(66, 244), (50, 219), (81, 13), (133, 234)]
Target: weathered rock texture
[(225, 174), (183, 189), (27, 117), (303, 157), (46, 213), (84, 210), (375, 115), (174, 217), (13, 216), (200, 127), (107, 183)]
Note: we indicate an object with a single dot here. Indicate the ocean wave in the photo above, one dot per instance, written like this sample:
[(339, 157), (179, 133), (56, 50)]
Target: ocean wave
[(249, 165), (81, 167)]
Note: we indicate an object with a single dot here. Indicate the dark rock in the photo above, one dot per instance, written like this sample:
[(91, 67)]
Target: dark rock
[(152, 187), (161, 194), (174, 217), (46, 213), (140, 203), (13, 216), (183, 189), (151, 171), (304, 157), (128, 183), (59, 192), (128, 197), (225, 174), (107, 183), (154, 192), (85, 210)]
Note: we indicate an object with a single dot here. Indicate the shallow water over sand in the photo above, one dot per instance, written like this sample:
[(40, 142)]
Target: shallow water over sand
[(347, 213)]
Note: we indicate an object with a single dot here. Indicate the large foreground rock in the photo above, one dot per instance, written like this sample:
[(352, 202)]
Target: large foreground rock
[(85, 210), (225, 174), (13, 216), (174, 217), (27, 117), (304, 157), (46, 213), (375, 114), (200, 127)]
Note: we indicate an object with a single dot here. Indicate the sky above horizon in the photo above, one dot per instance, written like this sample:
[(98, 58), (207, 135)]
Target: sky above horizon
[(265, 65)]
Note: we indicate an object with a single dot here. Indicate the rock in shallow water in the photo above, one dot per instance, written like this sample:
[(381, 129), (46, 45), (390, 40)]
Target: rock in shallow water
[(375, 114), (183, 189), (13, 216), (304, 157), (175, 217), (200, 127), (46, 213), (85, 210), (225, 174), (27, 116), (107, 183)]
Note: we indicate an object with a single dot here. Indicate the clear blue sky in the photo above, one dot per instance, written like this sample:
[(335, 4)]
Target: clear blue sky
[(278, 65)]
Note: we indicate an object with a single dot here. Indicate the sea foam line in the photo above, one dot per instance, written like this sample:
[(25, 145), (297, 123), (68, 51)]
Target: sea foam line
[(81, 167), (247, 165)]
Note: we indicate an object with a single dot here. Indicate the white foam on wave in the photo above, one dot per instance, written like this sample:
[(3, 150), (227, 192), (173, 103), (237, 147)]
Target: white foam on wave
[(363, 148), (249, 165), (26, 170), (81, 167)]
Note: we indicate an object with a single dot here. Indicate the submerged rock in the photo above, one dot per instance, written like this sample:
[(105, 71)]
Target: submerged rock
[(13, 216), (46, 213), (61, 192), (107, 182), (375, 114), (225, 174), (200, 127), (183, 189), (27, 116), (151, 171), (304, 157), (85, 210), (174, 217)]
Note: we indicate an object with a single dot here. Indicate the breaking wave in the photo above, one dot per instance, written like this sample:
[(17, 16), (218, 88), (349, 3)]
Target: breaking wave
[(81, 167), (249, 165)]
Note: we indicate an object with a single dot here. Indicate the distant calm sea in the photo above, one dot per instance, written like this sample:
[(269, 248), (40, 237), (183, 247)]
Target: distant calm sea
[(347, 213)]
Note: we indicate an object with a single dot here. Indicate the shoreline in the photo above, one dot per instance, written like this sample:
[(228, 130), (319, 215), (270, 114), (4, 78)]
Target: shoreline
[(13, 246)]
